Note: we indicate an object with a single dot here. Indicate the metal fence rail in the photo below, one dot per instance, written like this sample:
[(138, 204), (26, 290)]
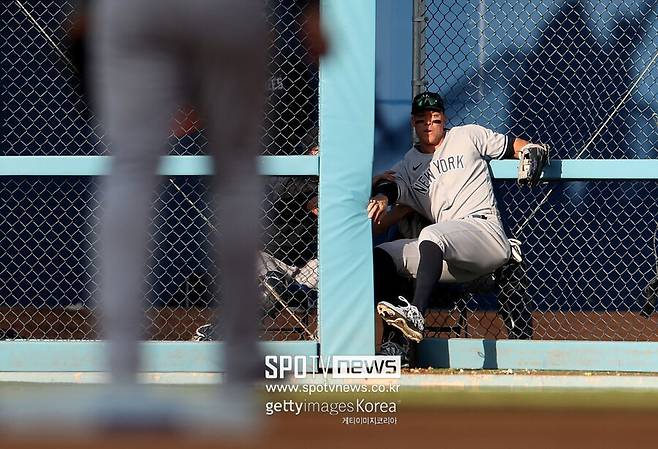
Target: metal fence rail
[(582, 76)]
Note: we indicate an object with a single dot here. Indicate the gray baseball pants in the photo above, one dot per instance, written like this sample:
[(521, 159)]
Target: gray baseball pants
[(148, 58), (472, 247)]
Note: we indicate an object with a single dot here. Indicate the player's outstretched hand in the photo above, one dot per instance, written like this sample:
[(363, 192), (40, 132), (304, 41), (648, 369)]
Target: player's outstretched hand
[(377, 207)]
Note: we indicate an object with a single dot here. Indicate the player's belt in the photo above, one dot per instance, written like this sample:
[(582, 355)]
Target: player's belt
[(481, 217)]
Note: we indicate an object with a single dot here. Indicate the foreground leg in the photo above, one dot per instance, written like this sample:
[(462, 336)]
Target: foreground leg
[(135, 94), (231, 104)]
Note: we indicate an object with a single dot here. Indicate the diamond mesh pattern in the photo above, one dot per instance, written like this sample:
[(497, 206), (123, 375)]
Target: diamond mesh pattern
[(582, 76), (550, 71), (44, 111), (46, 223), (47, 232), (47, 116), (589, 254)]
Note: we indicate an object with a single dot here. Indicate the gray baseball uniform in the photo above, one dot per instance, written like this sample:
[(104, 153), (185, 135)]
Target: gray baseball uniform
[(452, 187), (149, 57)]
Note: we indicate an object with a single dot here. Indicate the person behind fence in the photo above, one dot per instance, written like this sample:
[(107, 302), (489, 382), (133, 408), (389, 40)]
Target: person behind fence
[(290, 224), (288, 263), (446, 179)]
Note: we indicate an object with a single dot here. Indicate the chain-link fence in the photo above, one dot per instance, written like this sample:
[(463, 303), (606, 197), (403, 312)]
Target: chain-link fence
[(581, 76), (45, 114), (47, 223), (550, 71), (49, 262)]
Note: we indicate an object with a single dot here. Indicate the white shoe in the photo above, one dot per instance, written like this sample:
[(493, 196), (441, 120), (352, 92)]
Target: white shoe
[(406, 317)]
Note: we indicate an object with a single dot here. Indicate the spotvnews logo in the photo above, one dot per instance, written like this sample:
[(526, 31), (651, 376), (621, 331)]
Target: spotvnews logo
[(339, 367)]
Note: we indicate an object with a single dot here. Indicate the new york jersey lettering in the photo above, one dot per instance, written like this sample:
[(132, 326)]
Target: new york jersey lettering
[(437, 168)]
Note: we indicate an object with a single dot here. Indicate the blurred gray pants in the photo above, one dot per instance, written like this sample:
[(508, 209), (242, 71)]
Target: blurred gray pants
[(306, 275), (148, 58)]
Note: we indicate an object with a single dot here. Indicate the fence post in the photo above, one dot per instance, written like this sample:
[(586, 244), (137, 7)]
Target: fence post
[(347, 98), (418, 80)]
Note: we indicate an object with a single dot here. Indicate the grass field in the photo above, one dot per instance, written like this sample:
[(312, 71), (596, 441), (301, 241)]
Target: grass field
[(425, 417)]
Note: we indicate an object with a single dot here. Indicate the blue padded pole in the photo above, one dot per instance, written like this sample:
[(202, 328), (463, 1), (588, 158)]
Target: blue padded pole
[(347, 98)]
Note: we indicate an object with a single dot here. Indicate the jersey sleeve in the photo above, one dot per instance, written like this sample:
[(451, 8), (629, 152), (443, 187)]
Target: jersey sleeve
[(403, 182), (490, 144)]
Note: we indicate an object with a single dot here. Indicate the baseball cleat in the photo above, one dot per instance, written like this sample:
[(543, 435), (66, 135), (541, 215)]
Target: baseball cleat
[(406, 318)]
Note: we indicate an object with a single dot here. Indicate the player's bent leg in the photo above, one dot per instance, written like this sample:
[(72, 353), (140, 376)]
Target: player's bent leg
[(391, 306), (408, 318), (405, 254), (430, 267), (471, 247)]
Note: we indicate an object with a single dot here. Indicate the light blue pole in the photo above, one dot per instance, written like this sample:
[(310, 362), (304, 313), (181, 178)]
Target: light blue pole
[(347, 98)]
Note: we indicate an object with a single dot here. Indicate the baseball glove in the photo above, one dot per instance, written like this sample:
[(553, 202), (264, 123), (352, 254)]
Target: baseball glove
[(532, 159)]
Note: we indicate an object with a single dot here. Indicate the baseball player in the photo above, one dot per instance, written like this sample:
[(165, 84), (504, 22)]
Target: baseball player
[(148, 57), (446, 179)]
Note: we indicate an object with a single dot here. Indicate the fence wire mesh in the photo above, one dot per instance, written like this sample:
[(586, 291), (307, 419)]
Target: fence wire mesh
[(46, 114), (551, 71), (548, 71), (581, 76), (47, 223), (47, 229)]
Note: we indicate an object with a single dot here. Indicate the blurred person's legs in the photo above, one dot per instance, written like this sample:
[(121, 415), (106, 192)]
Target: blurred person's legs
[(135, 93), (231, 105), (147, 53)]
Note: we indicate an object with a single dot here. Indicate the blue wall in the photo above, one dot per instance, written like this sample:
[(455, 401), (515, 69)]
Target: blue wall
[(393, 82)]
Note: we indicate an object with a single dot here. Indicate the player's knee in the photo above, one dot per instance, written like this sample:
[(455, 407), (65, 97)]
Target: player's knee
[(505, 255), (498, 260), (428, 236)]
